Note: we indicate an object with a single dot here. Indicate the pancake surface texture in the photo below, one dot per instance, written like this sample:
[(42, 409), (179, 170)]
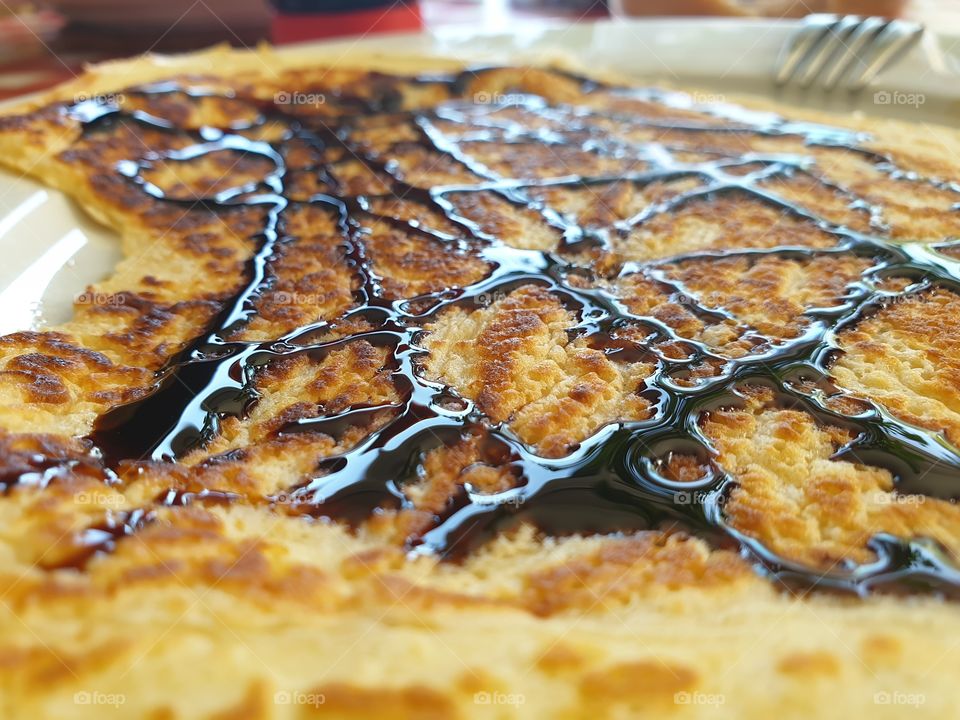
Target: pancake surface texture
[(482, 393)]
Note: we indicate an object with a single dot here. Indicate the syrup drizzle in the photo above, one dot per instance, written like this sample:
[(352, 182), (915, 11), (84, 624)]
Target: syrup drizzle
[(614, 480), (103, 537)]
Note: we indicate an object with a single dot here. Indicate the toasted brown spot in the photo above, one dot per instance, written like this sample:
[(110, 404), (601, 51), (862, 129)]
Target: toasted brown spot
[(880, 651), (907, 358), (726, 222), (339, 700), (561, 658), (627, 568), (412, 265), (809, 664), (802, 503), (637, 682), (515, 360)]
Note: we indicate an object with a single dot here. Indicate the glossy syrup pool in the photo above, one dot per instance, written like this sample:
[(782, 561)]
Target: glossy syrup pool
[(612, 481)]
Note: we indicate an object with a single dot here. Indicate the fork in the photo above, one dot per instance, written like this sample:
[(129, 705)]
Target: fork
[(827, 47)]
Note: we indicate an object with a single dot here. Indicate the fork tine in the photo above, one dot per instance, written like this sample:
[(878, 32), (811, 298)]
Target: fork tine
[(904, 34), (861, 36), (814, 28), (834, 41)]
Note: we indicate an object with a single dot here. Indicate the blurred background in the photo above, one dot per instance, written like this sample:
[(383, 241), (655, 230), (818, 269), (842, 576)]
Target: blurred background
[(45, 42)]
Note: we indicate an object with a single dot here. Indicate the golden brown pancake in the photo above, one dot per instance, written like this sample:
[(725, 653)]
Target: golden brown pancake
[(500, 392)]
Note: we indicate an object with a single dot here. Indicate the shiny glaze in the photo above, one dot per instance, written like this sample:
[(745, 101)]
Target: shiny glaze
[(613, 481)]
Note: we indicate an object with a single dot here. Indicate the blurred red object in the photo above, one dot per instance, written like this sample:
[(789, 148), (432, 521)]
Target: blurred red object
[(298, 25), (169, 16), (25, 32)]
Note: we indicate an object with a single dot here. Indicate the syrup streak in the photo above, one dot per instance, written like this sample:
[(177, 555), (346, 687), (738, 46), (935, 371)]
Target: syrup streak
[(613, 481)]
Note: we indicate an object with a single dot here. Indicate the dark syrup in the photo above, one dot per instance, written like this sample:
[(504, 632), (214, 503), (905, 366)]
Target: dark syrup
[(614, 480), (102, 538)]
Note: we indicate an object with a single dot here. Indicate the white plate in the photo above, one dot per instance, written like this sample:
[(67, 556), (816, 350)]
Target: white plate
[(52, 251)]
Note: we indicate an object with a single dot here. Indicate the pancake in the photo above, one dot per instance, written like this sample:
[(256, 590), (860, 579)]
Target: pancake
[(482, 392)]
